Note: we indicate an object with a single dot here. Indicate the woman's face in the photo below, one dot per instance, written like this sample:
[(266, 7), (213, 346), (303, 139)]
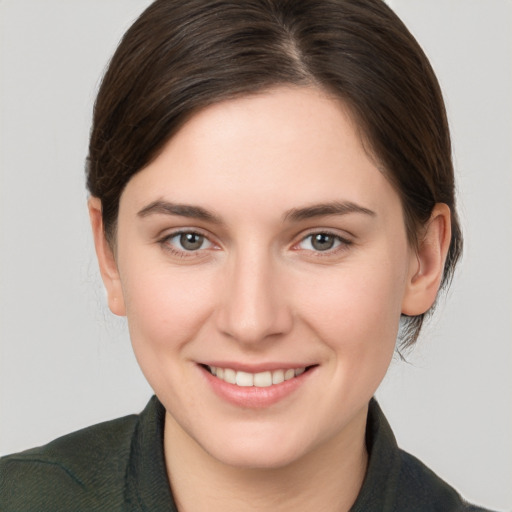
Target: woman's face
[(264, 245)]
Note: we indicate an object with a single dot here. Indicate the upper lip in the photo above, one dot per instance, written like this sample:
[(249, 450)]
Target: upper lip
[(256, 368)]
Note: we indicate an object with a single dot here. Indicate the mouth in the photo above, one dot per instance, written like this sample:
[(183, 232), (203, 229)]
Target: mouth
[(263, 379)]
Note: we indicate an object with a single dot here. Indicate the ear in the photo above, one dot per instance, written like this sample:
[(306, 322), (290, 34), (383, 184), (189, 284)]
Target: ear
[(427, 265), (106, 259)]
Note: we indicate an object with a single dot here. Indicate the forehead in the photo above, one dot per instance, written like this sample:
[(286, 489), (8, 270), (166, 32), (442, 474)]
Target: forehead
[(283, 147)]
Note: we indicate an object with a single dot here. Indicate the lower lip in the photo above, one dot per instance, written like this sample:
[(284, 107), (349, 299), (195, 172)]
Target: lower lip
[(254, 397)]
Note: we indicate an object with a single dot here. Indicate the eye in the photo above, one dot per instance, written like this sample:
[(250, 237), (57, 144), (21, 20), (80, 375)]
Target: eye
[(188, 241), (322, 242)]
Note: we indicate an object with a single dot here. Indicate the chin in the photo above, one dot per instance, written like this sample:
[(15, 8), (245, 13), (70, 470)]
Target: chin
[(255, 456), (261, 447)]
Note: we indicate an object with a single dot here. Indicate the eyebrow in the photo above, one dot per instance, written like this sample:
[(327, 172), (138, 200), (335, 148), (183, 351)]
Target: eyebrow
[(332, 208), (182, 210), (293, 215)]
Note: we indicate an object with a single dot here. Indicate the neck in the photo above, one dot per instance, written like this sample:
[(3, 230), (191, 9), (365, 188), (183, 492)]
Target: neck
[(327, 479)]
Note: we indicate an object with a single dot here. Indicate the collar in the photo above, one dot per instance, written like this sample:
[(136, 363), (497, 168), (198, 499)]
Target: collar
[(394, 481)]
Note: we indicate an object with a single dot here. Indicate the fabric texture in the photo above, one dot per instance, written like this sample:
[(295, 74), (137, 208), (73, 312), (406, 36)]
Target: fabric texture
[(119, 466)]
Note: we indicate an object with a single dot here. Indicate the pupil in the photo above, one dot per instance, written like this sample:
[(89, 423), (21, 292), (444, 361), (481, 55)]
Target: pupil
[(191, 241), (323, 242)]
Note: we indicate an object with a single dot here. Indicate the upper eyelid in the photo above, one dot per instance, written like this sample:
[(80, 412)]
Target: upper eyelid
[(165, 237), (344, 244), (168, 234), (345, 238), (164, 242)]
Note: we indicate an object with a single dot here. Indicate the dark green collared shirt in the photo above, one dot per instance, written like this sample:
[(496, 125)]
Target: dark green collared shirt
[(119, 466)]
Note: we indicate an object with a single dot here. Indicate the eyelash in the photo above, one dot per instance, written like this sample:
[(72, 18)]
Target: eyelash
[(342, 244), (165, 242)]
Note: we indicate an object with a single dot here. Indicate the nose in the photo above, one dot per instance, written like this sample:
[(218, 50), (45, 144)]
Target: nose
[(254, 306)]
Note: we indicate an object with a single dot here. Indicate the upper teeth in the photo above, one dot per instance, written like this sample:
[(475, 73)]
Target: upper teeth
[(260, 380)]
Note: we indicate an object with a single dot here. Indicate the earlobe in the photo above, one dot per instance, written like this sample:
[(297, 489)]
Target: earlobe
[(426, 271), (106, 260)]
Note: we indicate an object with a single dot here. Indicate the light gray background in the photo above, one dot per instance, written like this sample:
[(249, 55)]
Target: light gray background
[(67, 363)]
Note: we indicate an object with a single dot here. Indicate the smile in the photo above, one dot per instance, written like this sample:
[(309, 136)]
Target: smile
[(260, 380)]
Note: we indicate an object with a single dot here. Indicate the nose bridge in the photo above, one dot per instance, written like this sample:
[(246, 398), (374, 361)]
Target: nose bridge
[(255, 304)]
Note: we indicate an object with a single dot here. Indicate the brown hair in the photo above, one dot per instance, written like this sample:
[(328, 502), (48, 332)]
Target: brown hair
[(183, 55)]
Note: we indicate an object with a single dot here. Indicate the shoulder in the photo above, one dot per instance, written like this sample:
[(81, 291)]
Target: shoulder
[(419, 486), (73, 472), (397, 481)]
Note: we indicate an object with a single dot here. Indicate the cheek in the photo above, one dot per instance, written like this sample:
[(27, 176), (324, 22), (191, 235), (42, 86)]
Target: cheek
[(356, 311), (165, 309), (356, 300)]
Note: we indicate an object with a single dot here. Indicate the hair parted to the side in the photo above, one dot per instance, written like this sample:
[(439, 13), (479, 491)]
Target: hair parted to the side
[(183, 55)]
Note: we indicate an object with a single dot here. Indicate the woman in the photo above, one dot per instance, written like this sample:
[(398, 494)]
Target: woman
[(270, 194)]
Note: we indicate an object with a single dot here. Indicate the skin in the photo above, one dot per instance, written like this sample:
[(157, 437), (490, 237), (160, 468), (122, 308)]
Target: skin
[(258, 292)]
